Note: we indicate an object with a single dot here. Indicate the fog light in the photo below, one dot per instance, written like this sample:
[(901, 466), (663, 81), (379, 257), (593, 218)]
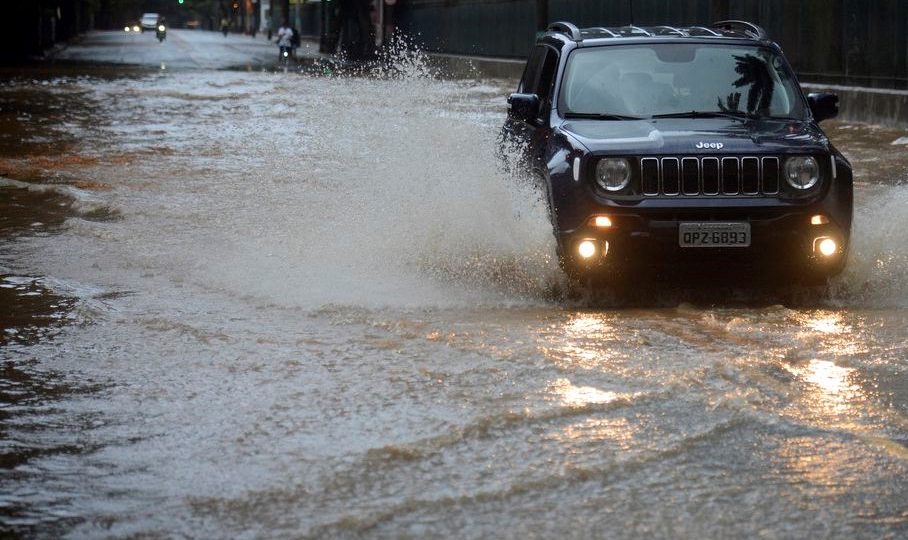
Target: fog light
[(819, 219), (827, 247), (603, 222), (586, 248)]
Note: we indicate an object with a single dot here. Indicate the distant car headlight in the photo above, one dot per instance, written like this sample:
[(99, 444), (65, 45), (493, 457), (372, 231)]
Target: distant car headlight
[(802, 172), (126, 28), (161, 28), (613, 174), (135, 28)]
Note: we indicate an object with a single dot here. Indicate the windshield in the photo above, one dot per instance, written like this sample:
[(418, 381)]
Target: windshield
[(678, 78)]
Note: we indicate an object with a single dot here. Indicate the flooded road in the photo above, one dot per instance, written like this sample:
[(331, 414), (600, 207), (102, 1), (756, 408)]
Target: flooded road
[(254, 304)]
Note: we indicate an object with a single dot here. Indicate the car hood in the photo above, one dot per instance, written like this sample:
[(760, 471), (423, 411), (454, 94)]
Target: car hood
[(683, 135)]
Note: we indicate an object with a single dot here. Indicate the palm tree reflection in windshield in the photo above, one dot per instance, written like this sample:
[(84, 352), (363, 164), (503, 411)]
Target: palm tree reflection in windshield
[(755, 73)]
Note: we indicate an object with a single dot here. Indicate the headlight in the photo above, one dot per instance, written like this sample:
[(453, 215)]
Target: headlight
[(161, 28), (613, 174), (802, 172)]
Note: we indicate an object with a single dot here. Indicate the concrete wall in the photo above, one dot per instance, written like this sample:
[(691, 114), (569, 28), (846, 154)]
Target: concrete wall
[(871, 105)]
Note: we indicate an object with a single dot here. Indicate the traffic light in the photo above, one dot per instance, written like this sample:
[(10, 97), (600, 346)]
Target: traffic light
[(180, 1)]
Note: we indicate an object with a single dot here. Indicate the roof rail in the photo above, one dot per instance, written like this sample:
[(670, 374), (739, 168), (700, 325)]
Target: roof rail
[(604, 30), (566, 28), (668, 31), (742, 26), (702, 30), (631, 29)]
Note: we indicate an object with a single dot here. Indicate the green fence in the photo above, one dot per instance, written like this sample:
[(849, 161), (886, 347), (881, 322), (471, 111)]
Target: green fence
[(855, 42), (487, 28)]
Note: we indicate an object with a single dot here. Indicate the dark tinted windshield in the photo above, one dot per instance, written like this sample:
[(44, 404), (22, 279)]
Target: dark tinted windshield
[(646, 80)]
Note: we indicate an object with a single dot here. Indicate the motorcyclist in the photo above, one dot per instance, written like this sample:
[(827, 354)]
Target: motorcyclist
[(161, 34), (285, 40)]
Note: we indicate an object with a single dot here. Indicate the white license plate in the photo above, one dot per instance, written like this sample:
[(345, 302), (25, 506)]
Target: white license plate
[(714, 234)]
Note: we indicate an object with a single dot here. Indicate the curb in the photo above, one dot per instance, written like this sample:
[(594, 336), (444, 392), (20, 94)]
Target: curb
[(465, 67)]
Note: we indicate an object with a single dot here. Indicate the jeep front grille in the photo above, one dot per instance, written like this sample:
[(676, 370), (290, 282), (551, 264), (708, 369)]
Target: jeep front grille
[(709, 176)]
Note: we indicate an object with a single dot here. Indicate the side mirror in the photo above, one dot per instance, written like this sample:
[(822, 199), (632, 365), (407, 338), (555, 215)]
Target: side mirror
[(823, 106), (524, 106)]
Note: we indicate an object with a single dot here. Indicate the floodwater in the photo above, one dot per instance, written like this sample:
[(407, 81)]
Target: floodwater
[(254, 304)]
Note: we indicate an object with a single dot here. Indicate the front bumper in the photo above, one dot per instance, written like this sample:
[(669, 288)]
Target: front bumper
[(783, 243)]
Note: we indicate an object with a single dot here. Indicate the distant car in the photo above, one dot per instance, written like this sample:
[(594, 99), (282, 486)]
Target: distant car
[(150, 21), (193, 24), (132, 27), (660, 147)]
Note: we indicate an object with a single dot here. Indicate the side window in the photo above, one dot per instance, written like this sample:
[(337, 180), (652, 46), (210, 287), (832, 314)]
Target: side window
[(531, 72), (539, 77), (547, 80)]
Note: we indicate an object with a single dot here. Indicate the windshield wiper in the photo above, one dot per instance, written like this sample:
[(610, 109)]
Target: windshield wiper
[(600, 116), (737, 115)]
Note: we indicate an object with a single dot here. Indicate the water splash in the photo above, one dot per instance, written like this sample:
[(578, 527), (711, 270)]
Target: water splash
[(877, 270)]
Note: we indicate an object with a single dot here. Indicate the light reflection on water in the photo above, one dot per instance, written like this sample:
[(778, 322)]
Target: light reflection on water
[(828, 324), (831, 379), (584, 338), (819, 468), (829, 389), (578, 396), (829, 393), (835, 337), (590, 340), (596, 430)]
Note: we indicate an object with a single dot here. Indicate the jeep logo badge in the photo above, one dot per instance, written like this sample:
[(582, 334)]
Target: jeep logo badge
[(710, 145)]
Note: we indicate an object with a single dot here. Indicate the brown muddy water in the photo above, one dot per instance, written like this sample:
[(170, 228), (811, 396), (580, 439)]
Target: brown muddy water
[(268, 305)]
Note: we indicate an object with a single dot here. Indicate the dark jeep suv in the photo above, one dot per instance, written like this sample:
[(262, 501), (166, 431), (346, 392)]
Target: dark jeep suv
[(662, 149)]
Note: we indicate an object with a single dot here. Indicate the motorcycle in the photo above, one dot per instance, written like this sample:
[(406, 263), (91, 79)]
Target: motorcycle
[(284, 57), (161, 33)]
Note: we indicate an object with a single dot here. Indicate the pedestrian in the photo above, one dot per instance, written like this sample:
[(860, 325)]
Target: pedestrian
[(268, 26), (225, 25), (285, 40)]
